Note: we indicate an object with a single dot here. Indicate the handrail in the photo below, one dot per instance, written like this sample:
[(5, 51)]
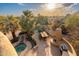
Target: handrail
[(73, 50)]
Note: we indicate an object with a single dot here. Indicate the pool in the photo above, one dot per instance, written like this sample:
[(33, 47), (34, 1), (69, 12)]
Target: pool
[(20, 47)]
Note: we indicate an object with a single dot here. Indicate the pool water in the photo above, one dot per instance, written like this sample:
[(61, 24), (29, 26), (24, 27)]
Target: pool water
[(20, 47)]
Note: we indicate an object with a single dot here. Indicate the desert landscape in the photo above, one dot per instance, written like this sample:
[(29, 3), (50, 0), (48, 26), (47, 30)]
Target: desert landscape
[(39, 29)]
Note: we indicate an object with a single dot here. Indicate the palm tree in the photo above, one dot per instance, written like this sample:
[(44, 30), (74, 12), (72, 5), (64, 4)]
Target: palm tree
[(13, 26), (28, 14), (27, 21), (8, 24), (3, 25)]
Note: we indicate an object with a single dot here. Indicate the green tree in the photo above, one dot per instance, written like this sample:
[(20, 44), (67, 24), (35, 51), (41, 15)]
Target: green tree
[(10, 23), (41, 21), (27, 21), (72, 22), (28, 14), (13, 26)]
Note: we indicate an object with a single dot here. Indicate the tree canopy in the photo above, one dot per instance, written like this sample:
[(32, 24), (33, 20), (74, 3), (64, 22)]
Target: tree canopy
[(71, 22)]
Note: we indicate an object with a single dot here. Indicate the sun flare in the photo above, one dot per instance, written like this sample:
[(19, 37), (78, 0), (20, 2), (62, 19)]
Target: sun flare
[(51, 6)]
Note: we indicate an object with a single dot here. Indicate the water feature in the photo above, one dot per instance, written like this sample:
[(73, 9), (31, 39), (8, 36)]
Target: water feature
[(20, 47)]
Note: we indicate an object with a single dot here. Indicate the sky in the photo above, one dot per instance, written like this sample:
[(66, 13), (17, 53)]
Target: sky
[(47, 9)]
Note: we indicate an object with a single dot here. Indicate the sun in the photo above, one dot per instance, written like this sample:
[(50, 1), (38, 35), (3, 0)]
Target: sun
[(51, 6)]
